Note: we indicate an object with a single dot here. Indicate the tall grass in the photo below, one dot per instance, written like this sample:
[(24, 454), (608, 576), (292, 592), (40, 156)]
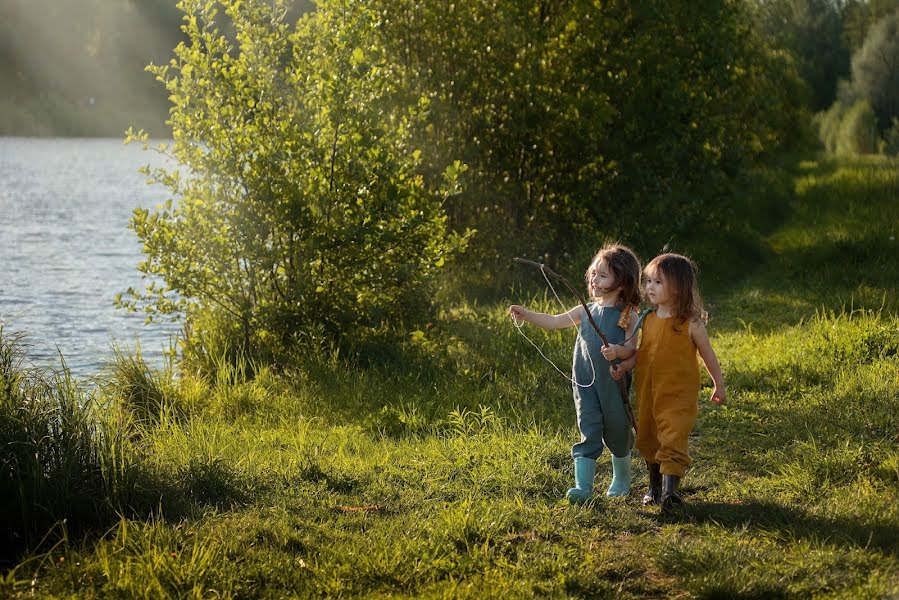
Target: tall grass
[(146, 393), (53, 468)]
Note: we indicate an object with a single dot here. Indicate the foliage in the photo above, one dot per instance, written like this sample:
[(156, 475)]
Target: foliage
[(858, 130), (875, 71), (860, 15), (811, 30), (581, 119), (828, 123), (301, 213), (75, 67), (849, 130)]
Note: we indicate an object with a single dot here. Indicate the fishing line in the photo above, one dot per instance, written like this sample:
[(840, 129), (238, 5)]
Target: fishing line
[(520, 324)]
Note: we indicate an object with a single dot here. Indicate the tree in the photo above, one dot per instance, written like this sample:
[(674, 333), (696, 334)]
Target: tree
[(300, 215), (860, 15), (811, 30), (875, 71), (581, 118)]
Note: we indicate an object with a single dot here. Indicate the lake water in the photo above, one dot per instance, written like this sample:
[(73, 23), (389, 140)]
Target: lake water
[(66, 250)]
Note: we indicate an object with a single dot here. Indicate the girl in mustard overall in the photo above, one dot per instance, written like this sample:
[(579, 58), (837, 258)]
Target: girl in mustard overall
[(613, 281), (667, 376)]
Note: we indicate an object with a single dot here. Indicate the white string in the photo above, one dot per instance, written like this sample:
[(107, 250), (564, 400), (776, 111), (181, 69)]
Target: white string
[(578, 339)]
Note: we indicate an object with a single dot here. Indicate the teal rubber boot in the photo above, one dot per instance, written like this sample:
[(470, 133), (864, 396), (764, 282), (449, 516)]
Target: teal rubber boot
[(621, 476), (584, 472)]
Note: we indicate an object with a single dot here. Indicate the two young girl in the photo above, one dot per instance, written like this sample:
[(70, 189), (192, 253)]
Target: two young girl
[(667, 372)]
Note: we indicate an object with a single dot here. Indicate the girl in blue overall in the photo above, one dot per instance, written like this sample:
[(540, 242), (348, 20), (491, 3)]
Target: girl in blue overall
[(613, 282)]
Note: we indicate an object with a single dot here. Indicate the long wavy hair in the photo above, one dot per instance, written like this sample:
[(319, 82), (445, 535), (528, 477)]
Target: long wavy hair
[(680, 273), (625, 267)]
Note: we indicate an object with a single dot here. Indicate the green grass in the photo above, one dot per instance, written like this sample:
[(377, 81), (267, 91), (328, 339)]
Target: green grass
[(440, 475)]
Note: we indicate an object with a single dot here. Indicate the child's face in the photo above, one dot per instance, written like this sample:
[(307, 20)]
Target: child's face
[(602, 280), (657, 289)]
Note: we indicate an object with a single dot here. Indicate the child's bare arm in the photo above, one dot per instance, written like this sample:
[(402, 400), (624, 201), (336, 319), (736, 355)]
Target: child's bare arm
[(544, 320), (704, 345), (628, 348)]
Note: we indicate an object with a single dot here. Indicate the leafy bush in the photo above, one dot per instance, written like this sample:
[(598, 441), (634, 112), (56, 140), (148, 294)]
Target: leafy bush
[(582, 119), (828, 123), (858, 130), (301, 208)]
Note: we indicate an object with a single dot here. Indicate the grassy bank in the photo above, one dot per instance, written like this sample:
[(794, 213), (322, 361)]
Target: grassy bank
[(440, 473)]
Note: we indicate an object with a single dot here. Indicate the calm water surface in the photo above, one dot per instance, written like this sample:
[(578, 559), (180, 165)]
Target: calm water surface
[(66, 250)]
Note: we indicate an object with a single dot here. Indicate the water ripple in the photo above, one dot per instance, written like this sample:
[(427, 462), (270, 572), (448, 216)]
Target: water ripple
[(66, 250)]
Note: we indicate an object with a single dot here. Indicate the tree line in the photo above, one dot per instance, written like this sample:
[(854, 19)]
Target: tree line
[(335, 162), (847, 53), (340, 163)]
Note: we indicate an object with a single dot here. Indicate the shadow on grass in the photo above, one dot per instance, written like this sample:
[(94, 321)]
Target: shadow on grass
[(791, 523)]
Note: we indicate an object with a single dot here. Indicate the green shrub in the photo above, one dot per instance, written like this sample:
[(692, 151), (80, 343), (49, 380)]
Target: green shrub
[(848, 131), (828, 123), (304, 210)]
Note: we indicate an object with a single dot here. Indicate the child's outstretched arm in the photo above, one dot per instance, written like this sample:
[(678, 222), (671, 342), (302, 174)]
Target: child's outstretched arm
[(544, 320), (704, 345)]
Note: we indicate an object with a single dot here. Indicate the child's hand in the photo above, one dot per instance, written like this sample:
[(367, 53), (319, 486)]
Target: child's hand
[(610, 352), (517, 313), (618, 371), (719, 395)]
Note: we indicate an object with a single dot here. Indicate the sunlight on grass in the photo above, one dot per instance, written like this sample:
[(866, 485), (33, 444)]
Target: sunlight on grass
[(443, 475)]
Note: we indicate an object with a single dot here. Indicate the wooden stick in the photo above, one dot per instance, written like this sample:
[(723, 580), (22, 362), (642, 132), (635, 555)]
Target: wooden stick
[(622, 386)]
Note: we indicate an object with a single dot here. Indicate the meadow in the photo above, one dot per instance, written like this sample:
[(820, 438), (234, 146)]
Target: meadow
[(438, 470)]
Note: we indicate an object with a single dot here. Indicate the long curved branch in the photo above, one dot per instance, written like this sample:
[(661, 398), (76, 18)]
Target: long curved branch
[(622, 387)]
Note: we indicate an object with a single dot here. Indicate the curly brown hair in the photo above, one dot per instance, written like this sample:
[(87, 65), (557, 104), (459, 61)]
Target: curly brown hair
[(680, 273), (625, 266)]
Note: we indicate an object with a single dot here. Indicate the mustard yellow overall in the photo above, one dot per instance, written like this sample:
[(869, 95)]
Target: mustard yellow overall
[(667, 384)]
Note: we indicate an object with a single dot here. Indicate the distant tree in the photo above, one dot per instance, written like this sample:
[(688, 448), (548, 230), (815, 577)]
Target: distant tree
[(860, 15), (811, 30), (875, 71), (76, 67)]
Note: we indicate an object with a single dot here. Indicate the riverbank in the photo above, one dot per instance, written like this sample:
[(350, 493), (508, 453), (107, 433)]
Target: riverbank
[(439, 473)]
